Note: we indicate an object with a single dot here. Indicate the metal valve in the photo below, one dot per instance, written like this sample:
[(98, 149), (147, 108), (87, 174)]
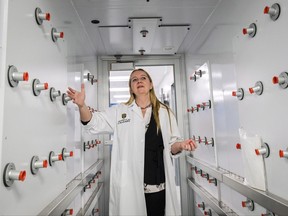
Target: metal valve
[(193, 109), (274, 11), (35, 164), (209, 142), (97, 175), (86, 146), (258, 88), (10, 175), (197, 139), (283, 154), (204, 175), (201, 205), (264, 150), (268, 214), (207, 104), (251, 30), (199, 73), (40, 17), (238, 146), (208, 212), (94, 211), (37, 87), (97, 142), (66, 154), (54, 94), (282, 80), (200, 106), (65, 99), (88, 186), (213, 180), (67, 212), (55, 35), (194, 77), (239, 93), (14, 76), (92, 145), (53, 158), (248, 204), (197, 171)]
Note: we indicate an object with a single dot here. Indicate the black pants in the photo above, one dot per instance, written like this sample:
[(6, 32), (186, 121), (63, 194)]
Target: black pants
[(155, 203)]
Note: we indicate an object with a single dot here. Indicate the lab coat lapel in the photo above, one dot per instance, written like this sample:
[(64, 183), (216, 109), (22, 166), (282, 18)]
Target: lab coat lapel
[(136, 109)]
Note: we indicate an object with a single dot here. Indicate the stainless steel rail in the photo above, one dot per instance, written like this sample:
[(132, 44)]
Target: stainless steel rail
[(60, 203), (209, 199), (269, 201)]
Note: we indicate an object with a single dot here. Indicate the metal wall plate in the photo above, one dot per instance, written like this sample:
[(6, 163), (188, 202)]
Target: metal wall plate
[(240, 97), (252, 206), (34, 169), (260, 85), (6, 180), (38, 11), (277, 8), (54, 38), (12, 69), (284, 75), (54, 94), (266, 146), (254, 27), (34, 87), (51, 154)]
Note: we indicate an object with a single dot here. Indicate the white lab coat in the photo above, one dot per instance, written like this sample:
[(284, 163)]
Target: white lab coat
[(127, 160)]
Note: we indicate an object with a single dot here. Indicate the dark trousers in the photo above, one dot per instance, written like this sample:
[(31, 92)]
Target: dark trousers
[(155, 203)]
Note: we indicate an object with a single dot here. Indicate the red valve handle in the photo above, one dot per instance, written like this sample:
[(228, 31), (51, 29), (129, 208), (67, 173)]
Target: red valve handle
[(275, 80), (25, 76), (238, 146), (45, 85), (244, 31), (45, 163), (47, 16), (281, 153), (266, 10), (257, 151), (251, 90), (22, 175)]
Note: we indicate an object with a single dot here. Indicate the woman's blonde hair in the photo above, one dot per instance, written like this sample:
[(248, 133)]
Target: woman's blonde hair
[(156, 104)]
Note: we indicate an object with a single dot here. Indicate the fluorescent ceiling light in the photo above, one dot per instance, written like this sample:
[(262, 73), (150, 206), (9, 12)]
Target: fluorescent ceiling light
[(121, 101), (118, 78), (119, 89), (121, 96)]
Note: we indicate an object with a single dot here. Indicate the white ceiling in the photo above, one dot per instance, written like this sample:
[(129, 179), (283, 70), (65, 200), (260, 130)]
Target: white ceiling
[(210, 25), (119, 40)]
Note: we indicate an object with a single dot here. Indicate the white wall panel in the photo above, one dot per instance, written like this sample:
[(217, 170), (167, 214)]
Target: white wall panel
[(259, 59), (201, 122), (32, 125)]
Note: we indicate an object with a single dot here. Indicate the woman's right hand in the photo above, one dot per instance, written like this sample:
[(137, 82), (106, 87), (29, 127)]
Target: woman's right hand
[(77, 97)]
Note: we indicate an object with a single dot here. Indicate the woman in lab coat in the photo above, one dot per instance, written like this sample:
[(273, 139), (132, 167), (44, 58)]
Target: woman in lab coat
[(146, 139)]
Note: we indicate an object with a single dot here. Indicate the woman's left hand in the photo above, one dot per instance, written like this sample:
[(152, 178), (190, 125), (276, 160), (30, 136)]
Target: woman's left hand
[(188, 145)]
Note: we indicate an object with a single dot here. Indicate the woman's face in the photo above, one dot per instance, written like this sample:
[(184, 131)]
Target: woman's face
[(140, 83)]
